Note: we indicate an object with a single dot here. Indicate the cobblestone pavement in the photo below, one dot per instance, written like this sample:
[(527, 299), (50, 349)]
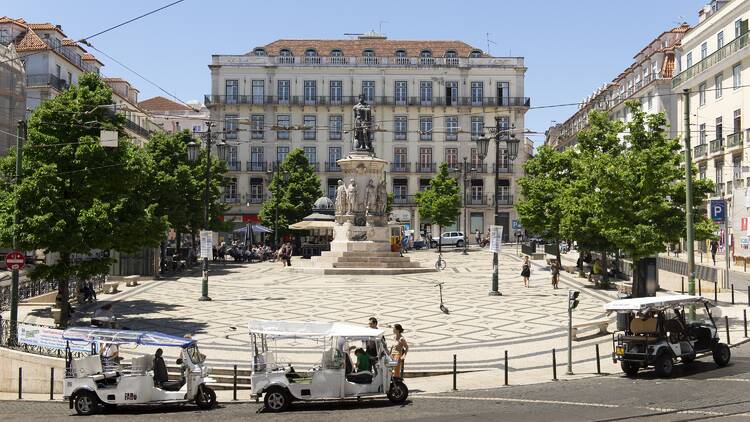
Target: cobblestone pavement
[(700, 391)]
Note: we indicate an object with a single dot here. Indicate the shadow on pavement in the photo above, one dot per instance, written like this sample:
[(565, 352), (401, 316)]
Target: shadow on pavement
[(325, 406)]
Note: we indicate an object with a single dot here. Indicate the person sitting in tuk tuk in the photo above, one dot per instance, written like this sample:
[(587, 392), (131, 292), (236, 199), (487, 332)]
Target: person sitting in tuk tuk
[(160, 369), (363, 360)]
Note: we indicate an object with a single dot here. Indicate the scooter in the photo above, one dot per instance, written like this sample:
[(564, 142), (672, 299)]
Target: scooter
[(442, 306)]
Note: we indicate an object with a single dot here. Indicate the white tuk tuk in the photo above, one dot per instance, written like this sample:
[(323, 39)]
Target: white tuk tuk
[(330, 374), (98, 380)]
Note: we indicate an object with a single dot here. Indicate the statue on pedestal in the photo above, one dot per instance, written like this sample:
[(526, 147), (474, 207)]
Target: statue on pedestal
[(341, 200), (371, 199), (381, 198), (351, 197), (362, 126)]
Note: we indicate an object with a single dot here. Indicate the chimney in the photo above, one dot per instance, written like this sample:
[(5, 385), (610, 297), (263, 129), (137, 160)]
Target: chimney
[(58, 27)]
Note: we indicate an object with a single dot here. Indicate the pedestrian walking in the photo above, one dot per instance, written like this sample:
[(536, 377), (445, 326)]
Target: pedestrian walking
[(288, 254), (478, 237), (399, 349), (371, 346), (555, 270), (714, 249), (526, 271)]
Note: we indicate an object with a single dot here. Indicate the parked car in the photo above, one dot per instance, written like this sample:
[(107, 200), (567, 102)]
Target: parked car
[(456, 239)]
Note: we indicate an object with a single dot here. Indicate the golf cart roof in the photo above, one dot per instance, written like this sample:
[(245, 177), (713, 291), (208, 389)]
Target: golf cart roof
[(311, 329), (642, 304), (146, 338)]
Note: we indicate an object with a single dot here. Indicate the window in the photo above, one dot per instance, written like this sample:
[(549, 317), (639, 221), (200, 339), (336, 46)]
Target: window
[(451, 128), (230, 190), (232, 158), (704, 50), (477, 127), (332, 187), (70, 80), (368, 53), (311, 155), (285, 52), (281, 153), (400, 190), (737, 121), (256, 190), (400, 155), (736, 76), (425, 54), (451, 157), (311, 91), (451, 93), (309, 121), (718, 172), (477, 92), (425, 128), (737, 28), (230, 125), (259, 52), (400, 124), (257, 160), (503, 92), (650, 100), (257, 123), (655, 69), (232, 90), (368, 91), (702, 94), (336, 91), (335, 127), (476, 160), (283, 91), (689, 59), (451, 54), (718, 82), (702, 172), (310, 52), (477, 190), (719, 128), (337, 53), (475, 54), (504, 122), (424, 184), (425, 92), (400, 53), (259, 91), (334, 154), (737, 167), (400, 92), (57, 71), (503, 190), (425, 158), (283, 122), (720, 40), (702, 133)]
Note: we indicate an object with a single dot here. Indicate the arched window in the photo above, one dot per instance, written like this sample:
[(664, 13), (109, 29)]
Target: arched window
[(475, 54), (285, 52), (337, 53), (259, 51), (400, 53), (368, 53), (310, 52), (451, 54), (425, 53)]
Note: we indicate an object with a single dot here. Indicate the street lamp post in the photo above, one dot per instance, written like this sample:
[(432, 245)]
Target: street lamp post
[(193, 156), (466, 233), (504, 135), (277, 171)]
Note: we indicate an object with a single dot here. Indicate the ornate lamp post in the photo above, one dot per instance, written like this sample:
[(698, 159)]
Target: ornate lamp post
[(193, 149), (509, 140)]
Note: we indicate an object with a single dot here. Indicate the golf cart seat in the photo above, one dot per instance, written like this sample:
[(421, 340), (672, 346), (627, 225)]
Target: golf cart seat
[(172, 385), (360, 377), (640, 338)]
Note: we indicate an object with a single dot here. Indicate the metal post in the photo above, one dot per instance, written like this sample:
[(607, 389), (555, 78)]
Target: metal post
[(495, 256), (570, 336), (700, 291), (20, 137), (726, 323), (744, 320), (52, 383), (727, 246), (204, 284), (454, 373), (732, 290), (20, 382), (682, 285), (689, 195), (276, 205), (234, 384), (716, 292), (466, 227), (554, 366), (598, 363), (506, 366)]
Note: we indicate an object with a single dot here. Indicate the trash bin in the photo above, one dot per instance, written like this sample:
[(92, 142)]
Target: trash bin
[(622, 321)]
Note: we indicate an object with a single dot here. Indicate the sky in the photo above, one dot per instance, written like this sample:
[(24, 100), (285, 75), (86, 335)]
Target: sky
[(570, 47)]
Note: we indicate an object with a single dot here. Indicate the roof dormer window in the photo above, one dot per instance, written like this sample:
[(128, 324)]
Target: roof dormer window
[(260, 52), (368, 53), (285, 52), (475, 54), (451, 54), (400, 53), (425, 53), (311, 52), (337, 53)]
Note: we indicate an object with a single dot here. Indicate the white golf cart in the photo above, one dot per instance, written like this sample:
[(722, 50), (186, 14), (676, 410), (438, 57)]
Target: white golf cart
[(657, 331), (324, 348), (98, 380)]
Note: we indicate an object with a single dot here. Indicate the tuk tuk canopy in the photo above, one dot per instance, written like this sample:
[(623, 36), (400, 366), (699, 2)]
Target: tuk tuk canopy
[(105, 335), (292, 329), (643, 304)]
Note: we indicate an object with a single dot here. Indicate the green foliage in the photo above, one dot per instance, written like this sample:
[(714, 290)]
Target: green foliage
[(76, 195), (441, 201), (296, 188), (389, 203)]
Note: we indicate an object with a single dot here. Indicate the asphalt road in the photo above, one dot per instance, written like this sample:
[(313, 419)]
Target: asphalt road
[(698, 392)]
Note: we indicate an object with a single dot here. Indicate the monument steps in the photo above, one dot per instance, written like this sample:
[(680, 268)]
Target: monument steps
[(360, 271), (404, 264)]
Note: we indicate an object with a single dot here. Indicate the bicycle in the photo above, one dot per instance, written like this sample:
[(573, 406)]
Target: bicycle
[(440, 264)]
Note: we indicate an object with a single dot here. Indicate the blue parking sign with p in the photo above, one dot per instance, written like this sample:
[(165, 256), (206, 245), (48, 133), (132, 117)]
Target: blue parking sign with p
[(718, 210)]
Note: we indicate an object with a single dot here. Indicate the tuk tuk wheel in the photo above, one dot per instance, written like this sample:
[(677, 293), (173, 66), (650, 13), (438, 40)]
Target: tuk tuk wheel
[(206, 398), (722, 354), (86, 403), (630, 368), (276, 399), (398, 392), (664, 365)]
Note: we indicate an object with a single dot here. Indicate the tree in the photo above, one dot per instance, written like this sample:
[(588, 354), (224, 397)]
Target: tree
[(546, 181), (296, 187), (76, 195), (441, 201)]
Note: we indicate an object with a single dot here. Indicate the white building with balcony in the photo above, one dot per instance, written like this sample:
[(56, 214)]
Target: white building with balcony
[(713, 67), (430, 100), (175, 117)]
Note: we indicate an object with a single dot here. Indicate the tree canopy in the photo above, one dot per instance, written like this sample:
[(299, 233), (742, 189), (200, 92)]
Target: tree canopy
[(440, 201)]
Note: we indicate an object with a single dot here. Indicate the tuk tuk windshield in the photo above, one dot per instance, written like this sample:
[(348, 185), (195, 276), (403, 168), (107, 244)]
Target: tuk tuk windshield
[(195, 355), (700, 315)]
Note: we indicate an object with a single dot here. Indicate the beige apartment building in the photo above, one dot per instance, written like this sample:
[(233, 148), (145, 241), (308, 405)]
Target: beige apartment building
[(430, 100)]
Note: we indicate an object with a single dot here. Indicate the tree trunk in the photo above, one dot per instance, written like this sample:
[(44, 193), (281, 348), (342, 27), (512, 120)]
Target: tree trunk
[(440, 238), (557, 255), (63, 293), (605, 276), (640, 274)]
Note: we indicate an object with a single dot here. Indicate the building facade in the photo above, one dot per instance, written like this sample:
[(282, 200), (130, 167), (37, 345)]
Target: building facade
[(12, 96), (173, 117), (430, 100), (648, 80)]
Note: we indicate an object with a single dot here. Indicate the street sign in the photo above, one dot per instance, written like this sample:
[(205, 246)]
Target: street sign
[(207, 250), (718, 210), (516, 225), (496, 238), (15, 260)]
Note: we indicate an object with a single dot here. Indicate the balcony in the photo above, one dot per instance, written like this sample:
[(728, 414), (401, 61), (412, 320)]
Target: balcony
[(700, 150), (476, 200), (230, 199), (234, 165), (138, 129), (716, 146), (315, 165), (400, 167), (254, 166), (719, 55), (432, 101), (424, 167), (734, 140), (505, 199), (332, 167), (504, 168), (404, 200), (256, 199), (719, 189), (47, 79)]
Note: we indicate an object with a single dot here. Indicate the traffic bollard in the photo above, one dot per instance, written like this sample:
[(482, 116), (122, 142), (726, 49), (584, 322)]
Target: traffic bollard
[(20, 382), (598, 363), (454, 373), (700, 290), (506, 367), (52, 383), (726, 323), (234, 384), (732, 287), (744, 320), (554, 366), (682, 284), (744, 260), (716, 292)]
